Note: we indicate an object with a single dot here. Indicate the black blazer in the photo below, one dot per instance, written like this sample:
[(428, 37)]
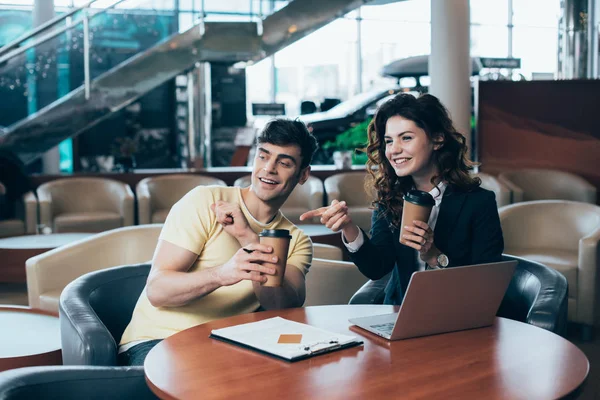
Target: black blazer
[(467, 230)]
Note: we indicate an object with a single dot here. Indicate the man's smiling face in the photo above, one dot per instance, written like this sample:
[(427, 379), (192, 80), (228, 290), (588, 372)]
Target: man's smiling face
[(276, 171)]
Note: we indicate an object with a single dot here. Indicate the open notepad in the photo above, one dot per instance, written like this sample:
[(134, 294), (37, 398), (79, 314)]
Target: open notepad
[(285, 339)]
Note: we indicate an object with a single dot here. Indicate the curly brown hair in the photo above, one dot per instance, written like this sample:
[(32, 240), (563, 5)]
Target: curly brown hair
[(428, 113)]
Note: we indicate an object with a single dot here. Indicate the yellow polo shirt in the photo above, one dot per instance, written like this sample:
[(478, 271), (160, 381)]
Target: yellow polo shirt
[(193, 226)]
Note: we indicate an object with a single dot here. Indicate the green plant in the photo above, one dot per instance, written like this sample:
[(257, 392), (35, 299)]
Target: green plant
[(351, 139)]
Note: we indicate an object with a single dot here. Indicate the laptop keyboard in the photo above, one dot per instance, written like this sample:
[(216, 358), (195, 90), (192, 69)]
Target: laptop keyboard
[(386, 328)]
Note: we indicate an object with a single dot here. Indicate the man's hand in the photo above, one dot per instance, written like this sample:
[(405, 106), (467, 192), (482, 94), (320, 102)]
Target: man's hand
[(234, 222), (243, 263), (421, 239), (336, 218)]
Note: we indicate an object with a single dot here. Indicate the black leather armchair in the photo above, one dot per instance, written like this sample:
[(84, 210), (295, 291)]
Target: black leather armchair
[(74, 383), (536, 295), (95, 310)]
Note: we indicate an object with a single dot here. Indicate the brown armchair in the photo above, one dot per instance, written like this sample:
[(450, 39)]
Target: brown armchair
[(547, 184), (85, 204), (156, 195), (26, 215), (350, 187), (563, 235), (332, 282), (304, 197)]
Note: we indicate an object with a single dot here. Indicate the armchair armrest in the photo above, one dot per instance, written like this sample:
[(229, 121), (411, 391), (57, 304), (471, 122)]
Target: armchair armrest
[(144, 208), (331, 189), (372, 292), (45, 207), (86, 338), (75, 382), (537, 295), (316, 193), (516, 191), (587, 275), (127, 206), (589, 190), (55, 269), (30, 203)]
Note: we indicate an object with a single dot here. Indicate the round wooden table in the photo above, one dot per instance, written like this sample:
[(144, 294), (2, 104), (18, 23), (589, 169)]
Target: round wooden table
[(28, 337), (14, 251), (509, 360)]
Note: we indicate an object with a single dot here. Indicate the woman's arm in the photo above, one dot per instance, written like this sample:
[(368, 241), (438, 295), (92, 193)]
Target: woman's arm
[(377, 256), (488, 242)]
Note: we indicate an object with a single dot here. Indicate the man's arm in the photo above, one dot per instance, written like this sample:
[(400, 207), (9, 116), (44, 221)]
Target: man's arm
[(171, 285), (291, 293)]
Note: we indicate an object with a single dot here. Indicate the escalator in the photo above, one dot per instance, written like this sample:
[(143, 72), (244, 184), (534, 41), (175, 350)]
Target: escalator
[(71, 112)]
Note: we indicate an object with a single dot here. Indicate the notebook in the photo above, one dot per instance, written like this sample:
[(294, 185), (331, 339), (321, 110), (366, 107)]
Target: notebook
[(285, 339), (445, 300)]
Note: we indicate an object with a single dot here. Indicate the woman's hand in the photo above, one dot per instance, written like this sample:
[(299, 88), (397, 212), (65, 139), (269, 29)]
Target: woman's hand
[(420, 238), (336, 218)]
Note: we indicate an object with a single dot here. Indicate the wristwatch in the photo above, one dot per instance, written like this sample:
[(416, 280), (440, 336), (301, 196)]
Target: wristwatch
[(442, 260)]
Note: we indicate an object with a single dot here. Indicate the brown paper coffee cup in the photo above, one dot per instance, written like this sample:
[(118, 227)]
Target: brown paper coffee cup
[(279, 239), (417, 206)]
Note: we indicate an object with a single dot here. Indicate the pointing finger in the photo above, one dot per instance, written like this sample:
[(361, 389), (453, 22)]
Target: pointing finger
[(313, 213)]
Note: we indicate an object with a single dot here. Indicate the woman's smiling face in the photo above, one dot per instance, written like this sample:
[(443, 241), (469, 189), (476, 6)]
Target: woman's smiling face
[(409, 150)]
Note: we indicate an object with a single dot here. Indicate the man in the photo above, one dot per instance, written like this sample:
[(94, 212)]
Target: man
[(207, 262)]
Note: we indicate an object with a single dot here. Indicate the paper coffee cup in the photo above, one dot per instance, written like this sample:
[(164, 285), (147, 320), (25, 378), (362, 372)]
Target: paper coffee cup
[(417, 206), (279, 239)]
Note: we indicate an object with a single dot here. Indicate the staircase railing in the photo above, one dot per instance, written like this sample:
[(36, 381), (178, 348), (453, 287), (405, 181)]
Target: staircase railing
[(13, 49)]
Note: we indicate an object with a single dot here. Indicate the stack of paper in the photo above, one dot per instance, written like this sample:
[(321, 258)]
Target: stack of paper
[(286, 339)]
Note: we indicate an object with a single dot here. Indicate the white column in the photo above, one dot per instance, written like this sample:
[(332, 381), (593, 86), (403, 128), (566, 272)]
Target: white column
[(43, 10), (450, 60)]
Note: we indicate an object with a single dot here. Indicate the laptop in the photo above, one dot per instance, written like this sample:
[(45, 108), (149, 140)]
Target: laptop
[(445, 300)]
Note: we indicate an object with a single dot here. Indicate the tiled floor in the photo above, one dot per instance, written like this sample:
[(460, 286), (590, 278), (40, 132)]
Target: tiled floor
[(16, 293)]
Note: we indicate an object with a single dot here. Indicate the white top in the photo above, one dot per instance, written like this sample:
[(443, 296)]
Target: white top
[(437, 196)]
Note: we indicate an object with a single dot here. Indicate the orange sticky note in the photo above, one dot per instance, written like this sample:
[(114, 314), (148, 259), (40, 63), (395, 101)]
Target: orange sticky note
[(286, 338)]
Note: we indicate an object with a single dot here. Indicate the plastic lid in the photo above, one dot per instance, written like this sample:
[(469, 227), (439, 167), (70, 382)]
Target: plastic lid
[(420, 198), (276, 233)]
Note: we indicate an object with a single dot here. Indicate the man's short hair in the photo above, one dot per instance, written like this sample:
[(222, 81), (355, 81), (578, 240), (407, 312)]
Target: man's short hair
[(287, 132)]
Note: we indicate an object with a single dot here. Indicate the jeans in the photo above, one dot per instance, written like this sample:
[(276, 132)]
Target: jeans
[(137, 354)]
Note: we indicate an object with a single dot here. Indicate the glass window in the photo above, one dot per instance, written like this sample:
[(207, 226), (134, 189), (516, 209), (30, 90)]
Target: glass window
[(186, 21), (189, 5), (486, 12), (537, 49), (489, 41), (229, 6), (540, 13), (63, 3), (410, 11), (258, 82), (323, 64), (379, 48), (17, 2)]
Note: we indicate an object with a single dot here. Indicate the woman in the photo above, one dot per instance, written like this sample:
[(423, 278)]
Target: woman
[(414, 145)]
